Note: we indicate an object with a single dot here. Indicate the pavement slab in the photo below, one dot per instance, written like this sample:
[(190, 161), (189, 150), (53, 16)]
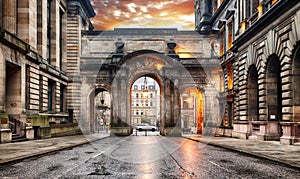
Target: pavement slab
[(272, 150)]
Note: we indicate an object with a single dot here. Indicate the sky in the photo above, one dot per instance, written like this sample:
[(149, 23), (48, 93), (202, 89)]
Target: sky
[(143, 14)]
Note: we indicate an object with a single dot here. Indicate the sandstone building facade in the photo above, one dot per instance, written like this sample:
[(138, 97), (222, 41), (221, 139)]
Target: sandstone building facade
[(34, 58), (259, 53)]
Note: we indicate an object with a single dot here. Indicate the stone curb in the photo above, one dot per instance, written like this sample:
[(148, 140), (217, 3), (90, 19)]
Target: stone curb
[(35, 154), (281, 161)]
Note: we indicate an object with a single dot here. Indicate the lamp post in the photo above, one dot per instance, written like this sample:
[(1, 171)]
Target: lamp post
[(145, 91)]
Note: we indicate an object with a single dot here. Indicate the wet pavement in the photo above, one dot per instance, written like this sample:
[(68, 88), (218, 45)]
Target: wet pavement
[(272, 150), (150, 156)]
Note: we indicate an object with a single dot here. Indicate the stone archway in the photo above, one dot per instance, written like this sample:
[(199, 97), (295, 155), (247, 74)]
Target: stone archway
[(253, 102), (166, 71), (92, 108), (192, 112)]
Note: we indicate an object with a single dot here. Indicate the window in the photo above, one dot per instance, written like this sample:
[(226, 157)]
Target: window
[(51, 95), (27, 87), (41, 93), (142, 112), (215, 5), (222, 42), (1, 15), (255, 4), (137, 112), (229, 78), (230, 34), (61, 15), (151, 95), (151, 104), (137, 95), (135, 87), (137, 104), (62, 98), (247, 9), (49, 31)]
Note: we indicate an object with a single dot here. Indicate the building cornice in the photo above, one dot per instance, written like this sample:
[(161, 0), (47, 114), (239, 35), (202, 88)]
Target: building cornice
[(219, 11), (278, 10), (90, 10)]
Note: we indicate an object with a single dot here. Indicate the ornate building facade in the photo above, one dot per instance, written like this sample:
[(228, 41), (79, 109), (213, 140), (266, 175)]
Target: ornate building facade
[(145, 101), (36, 66), (259, 53)]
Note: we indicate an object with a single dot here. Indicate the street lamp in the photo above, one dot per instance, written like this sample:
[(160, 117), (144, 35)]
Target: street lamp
[(145, 91)]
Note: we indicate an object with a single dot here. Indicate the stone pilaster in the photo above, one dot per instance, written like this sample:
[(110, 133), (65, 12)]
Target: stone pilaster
[(27, 22), (2, 81), (10, 15)]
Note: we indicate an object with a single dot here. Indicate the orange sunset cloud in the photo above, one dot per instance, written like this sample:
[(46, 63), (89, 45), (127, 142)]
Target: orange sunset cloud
[(143, 14)]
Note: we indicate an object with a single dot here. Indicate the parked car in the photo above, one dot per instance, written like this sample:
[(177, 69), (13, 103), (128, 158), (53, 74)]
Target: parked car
[(145, 127)]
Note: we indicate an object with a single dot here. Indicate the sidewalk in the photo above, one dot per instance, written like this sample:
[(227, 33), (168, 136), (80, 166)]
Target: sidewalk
[(272, 150), (20, 150)]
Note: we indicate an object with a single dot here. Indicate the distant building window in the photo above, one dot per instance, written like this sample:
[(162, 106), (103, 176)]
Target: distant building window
[(137, 112), (135, 87), (142, 87), (222, 42), (151, 95), (137, 95), (151, 104), (142, 112), (229, 79), (49, 30), (61, 15), (152, 87)]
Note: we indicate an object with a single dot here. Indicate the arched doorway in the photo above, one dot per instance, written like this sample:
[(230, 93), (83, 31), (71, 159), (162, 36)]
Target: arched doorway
[(145, 97), (253, 104), (192, 111), (99, 110), (296, 86), (273, 88)]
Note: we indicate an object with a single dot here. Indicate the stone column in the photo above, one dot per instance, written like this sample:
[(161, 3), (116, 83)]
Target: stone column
[(2, 81), (167, 103), (9, 15), (27, 22)]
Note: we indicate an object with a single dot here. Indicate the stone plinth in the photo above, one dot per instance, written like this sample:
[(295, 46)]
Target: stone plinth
[(121, 131), (290, 133), (268, 130), (5, 135), (241, 129), (29, 133)]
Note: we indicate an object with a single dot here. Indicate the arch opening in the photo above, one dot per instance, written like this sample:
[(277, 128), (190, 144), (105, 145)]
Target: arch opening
[(192, 111), (253, 102), (145, 100), (273, 88), (296, 86)]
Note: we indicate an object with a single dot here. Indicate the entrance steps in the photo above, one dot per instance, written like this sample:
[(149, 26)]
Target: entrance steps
[(252, 137), (18, 138), (297, 144)]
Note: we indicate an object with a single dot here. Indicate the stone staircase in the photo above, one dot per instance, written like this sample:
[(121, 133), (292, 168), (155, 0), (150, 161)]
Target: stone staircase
[(18, 138)]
